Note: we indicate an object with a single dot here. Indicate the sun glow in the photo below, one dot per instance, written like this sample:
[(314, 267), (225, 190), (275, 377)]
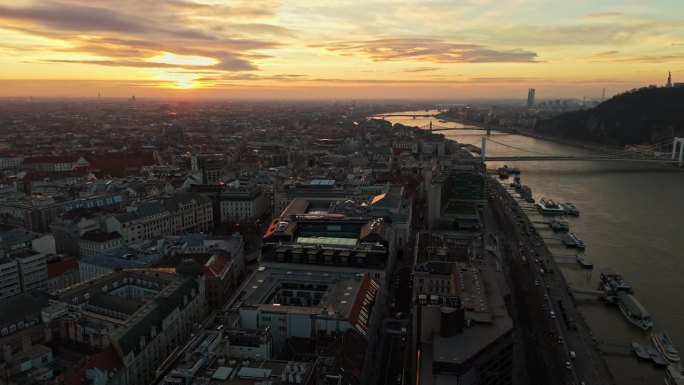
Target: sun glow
[(181, 81), (183, 60)]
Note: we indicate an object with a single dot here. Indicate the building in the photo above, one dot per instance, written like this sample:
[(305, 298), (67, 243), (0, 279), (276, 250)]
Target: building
[(320, 235), (32, 270), (141, 221), (299, 303), (53, 163), (240, 201), (70, 227), (10, 284), (451, 194), (180, 214), (222, 272), (25, 323), (96, 242), (316, 188), (461, 331), (29, 250), (190, 212), (62, 273), (143, 314), (530, 98)]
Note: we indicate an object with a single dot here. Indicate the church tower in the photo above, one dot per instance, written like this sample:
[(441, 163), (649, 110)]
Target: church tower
[(669, 80), (193, 160)]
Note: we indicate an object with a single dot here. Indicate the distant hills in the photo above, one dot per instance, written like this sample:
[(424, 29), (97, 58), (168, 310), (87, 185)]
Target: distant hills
[(643, 116)]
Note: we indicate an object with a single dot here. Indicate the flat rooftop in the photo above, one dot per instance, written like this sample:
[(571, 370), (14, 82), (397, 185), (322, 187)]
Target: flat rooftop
[(340, 290), (486, 312)]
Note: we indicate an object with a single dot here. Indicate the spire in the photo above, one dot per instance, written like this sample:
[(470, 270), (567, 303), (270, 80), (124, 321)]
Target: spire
[(669, 80)]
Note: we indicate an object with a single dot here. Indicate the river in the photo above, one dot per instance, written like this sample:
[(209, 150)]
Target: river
[(631, 217)]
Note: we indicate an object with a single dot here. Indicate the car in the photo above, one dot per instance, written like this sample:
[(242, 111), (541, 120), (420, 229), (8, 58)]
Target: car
[(568, 365), (536, 283), (560, 341), (573, 355), (546, 297), (552, 314), (399, 315)]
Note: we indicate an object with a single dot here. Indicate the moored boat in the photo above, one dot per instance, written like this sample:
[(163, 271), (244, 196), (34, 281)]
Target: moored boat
[(573, 240), (632, 309), (666, 347), (548, 206), (674, 375)]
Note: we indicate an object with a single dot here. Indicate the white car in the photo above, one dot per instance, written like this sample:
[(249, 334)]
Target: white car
[(568, 365)]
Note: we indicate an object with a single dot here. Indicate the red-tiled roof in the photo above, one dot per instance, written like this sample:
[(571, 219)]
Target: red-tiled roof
[(66, 158), (215, 265), (115, 163), (363, 302), (55, 269)]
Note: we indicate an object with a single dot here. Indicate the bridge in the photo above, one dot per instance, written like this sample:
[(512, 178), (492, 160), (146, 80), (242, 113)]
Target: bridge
[(407, 115), (666, 151)]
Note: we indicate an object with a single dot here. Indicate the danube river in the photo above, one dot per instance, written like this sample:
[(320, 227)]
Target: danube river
[(631, 221)]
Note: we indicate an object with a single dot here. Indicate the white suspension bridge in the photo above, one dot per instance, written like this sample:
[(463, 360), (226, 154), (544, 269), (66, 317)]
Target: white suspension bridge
[(666, 151)]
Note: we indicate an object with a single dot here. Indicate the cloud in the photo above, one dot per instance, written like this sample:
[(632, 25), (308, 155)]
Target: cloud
[(603, 54), (66, 17), (126, 33), (421, 69), (427, 50), (652, 58), (602, 15)]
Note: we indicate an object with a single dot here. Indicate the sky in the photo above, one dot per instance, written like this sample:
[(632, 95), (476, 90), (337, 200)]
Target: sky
[(335, 49)]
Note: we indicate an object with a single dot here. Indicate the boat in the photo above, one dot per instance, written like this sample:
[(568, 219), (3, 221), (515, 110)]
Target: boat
[(612, 283), (666, 347), (674, 375), (656, 357), (526, 194), (503, 172), (559, 223), (584, 261), (570, 208), (640, 351), (548, 206), (573, 240), (632, 309)]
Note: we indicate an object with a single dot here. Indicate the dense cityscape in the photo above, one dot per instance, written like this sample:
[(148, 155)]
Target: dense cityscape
[(237, 243), (282, 192)]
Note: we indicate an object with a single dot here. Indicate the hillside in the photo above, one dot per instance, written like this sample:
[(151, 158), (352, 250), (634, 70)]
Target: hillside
[(647, 115)]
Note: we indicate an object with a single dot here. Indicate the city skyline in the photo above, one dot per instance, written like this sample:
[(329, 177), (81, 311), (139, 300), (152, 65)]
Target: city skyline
[(380, 49)]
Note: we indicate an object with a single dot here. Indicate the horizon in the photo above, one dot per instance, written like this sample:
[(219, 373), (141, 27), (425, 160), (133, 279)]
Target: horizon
[(273, 50)]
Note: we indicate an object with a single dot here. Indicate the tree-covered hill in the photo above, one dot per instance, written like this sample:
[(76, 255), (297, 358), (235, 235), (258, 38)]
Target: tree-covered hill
[(646, 115)]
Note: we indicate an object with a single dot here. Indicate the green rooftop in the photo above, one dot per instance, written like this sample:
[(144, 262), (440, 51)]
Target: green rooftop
[(330, 241)]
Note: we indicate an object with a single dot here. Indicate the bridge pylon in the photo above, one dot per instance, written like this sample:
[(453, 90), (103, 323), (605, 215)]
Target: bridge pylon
[(680, 142), (483, 153)]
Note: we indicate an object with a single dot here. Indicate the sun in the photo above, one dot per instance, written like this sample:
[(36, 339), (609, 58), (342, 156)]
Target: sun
[(185, 84), (180, 81)]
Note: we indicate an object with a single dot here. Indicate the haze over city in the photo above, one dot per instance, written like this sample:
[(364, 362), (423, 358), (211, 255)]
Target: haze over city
[(351, 49)]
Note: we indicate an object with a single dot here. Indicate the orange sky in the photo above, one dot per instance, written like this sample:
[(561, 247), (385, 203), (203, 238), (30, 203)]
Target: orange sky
[(455, 49)]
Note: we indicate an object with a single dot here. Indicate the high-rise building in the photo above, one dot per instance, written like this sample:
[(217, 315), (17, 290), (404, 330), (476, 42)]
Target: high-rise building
[(530, 98)]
